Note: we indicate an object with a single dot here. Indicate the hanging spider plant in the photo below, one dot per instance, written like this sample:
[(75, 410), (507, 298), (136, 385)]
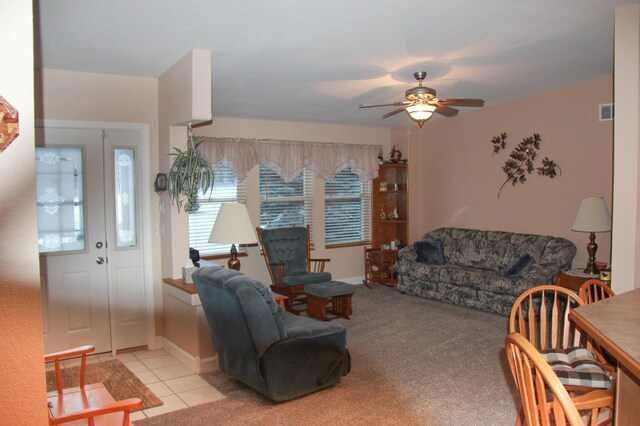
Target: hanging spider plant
[(189, 173)]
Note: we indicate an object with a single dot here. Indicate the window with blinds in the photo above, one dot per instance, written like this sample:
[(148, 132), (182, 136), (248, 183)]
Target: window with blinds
[(226, 189), (347, 210), (285, 204)]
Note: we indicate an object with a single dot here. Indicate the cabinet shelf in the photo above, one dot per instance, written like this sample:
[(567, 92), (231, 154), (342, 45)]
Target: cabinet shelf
[(387, 230)]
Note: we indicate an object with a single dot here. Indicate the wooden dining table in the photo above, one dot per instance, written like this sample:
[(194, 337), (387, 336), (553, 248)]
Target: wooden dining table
[(614, 324)]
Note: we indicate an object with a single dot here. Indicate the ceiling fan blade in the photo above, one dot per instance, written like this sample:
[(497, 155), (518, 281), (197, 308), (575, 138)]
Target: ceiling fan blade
[(446, 111), (462, 102), (381, 105), (394, 112)]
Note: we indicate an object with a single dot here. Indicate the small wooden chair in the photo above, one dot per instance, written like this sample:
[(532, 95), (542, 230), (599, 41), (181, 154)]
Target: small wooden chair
[(594, 290), (88, 404), (379, 266), (533, 376)]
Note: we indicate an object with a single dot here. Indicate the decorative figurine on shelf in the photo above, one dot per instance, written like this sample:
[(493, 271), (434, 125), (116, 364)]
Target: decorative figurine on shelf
[(383, 215), (394, 214), (395, 155)]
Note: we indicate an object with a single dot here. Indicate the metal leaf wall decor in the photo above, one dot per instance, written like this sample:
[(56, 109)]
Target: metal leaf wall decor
[(521, 160)]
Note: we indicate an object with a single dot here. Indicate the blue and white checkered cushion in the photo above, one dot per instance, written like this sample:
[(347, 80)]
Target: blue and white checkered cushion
[(576, 366)]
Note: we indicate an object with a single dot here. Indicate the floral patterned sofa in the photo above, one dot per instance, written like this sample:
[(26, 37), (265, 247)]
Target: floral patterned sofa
[(485, 270)]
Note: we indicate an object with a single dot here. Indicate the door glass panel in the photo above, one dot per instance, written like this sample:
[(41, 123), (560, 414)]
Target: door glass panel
[(125, 180), (60, 201)]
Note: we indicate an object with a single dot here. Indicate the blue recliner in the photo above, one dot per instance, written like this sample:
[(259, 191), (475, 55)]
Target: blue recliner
[(287, 253), (280, 355)]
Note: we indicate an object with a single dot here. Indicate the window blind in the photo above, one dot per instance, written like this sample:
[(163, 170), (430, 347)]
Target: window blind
[(347, 209), (226, 189), (283, 203)]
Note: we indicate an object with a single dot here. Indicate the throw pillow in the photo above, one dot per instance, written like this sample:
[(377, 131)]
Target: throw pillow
[(429, 252), (515, 268)]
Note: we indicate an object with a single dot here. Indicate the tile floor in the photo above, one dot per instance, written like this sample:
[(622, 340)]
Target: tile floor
[(172, 382)]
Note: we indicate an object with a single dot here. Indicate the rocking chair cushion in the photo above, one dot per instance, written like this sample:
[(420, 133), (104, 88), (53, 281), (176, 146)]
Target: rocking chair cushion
[(576, 366), (303, 278)]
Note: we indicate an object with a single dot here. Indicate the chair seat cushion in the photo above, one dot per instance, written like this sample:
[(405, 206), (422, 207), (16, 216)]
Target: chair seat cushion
[(330, 289), (576, 366), (304, 278)]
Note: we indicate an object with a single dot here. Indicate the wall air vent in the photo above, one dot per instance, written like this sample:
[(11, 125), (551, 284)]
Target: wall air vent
[(605, 112)]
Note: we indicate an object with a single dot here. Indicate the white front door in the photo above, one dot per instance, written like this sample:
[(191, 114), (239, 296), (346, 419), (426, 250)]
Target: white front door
[(92, 270)]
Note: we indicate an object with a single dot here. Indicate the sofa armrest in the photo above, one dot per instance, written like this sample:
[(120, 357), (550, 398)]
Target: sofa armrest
[(262, 319), (407, 253)]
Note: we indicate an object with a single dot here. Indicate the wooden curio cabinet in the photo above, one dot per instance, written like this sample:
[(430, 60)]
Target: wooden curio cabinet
[(389, 192)]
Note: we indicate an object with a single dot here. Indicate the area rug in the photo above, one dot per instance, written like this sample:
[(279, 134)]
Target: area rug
[(414, 362), (118, 380)]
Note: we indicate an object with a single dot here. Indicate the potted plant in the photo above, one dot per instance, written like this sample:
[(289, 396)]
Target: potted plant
[(189, 172)]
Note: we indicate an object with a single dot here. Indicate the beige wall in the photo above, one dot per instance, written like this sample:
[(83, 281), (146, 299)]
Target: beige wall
[(626, 218), (458, 179), (345, 262), (22, 388)]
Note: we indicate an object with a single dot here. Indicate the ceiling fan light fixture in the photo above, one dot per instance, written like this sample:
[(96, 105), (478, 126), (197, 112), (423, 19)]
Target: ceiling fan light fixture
[(420, 112)]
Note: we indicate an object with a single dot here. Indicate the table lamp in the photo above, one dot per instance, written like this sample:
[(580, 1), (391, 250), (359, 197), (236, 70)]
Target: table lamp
[(593, 216), (232, 226)]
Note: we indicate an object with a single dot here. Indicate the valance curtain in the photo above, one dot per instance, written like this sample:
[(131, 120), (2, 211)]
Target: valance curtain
[(289, 158)]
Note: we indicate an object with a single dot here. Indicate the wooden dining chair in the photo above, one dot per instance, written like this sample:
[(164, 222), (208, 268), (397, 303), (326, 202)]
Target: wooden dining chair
[(545, 400), (594, 290), (90, 404), (541, 315)]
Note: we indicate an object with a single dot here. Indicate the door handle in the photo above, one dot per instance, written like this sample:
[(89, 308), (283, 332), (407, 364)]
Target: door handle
[(100, 260)]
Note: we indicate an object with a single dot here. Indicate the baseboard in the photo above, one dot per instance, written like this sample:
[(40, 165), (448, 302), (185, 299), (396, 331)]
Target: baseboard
[(352, 280), (196, 364)]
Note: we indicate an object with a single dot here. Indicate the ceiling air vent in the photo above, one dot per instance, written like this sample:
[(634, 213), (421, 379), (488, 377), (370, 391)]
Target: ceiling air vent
[(605, 112)]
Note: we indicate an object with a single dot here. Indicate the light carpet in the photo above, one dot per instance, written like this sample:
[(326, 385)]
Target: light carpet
[(117, 379), (414, 362)]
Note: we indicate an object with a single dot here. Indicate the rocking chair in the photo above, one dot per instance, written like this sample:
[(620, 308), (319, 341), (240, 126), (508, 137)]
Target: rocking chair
[(287, 253)]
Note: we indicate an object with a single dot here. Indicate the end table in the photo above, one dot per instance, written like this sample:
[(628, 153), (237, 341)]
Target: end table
[(573, 279)]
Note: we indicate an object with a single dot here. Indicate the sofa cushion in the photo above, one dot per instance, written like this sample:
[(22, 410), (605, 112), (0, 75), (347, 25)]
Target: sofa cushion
[(429, 252), (477, 253), (515, 268)]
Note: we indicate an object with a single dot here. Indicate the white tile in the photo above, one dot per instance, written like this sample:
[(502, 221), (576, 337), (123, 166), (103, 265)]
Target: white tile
[(161, 361), (146, 377), (159, 389), (135, 366), (149, 354), (200, 396), (171, 372), (137, 415), (170, 403), (186, 383), (127, 356)]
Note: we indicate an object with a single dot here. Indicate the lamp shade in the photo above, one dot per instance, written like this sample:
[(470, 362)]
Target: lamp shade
[(233, 225), (593, 216)]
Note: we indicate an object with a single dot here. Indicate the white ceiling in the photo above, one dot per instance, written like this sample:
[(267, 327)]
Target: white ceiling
[(317, 60)]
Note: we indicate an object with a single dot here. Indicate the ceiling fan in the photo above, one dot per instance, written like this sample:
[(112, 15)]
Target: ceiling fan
[(422, 102)]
